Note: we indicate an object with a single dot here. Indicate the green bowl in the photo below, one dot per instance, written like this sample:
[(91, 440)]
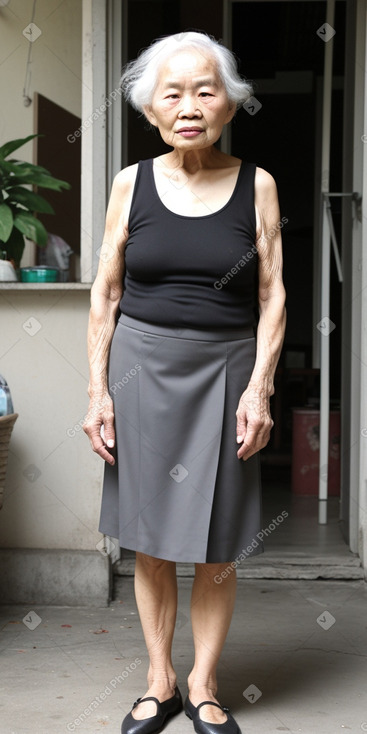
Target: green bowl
[(39, 274)]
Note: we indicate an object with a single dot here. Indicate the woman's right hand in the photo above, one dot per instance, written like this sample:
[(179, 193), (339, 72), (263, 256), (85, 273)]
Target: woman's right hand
[(100, 414)]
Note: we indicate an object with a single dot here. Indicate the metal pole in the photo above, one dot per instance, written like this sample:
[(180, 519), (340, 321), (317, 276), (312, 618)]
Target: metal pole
[(325, 275), (333, 240)]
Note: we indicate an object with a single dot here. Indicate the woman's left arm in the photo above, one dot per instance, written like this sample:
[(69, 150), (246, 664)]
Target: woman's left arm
[(254, 421)]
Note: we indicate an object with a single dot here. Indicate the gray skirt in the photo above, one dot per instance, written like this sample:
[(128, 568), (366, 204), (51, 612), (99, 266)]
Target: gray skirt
[(177, 490)]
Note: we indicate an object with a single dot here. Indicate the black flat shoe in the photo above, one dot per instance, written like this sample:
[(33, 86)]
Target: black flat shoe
[(153, 724), (206, 727)]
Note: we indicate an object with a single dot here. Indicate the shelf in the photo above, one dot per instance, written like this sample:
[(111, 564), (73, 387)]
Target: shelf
[(13, 286)]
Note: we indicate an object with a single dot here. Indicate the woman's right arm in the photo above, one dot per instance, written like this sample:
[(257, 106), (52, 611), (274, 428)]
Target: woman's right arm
[(106, 293)]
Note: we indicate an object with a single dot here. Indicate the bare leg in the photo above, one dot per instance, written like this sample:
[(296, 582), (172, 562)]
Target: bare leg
[(211, 613), (156, 597)]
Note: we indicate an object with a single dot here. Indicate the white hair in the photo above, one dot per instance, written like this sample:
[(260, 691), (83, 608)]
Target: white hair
[(140, 77)]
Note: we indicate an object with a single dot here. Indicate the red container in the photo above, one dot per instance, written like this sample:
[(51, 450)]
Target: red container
[(306, 452)]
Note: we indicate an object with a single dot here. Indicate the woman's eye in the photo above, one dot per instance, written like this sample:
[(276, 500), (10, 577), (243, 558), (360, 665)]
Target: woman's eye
[(205, 94)]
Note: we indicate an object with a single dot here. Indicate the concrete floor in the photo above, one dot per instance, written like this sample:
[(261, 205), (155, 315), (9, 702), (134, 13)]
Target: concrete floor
[(298, 641), (300, 644)]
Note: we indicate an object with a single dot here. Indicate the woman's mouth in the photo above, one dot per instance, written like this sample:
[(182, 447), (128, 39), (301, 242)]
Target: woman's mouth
[(190, 132)]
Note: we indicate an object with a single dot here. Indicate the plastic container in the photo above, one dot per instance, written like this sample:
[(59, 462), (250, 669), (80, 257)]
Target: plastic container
[(39, 274), (6, 403), (7, 272), (306, 452)]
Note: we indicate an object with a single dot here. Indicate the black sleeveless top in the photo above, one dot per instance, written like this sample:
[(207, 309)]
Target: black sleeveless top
[(198, 272)]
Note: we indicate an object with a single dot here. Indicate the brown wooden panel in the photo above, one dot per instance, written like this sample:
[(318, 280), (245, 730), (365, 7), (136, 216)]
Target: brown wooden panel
[(63, 159)]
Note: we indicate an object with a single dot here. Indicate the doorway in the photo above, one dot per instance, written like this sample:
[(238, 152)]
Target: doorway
[(281, 49), (284, 58)]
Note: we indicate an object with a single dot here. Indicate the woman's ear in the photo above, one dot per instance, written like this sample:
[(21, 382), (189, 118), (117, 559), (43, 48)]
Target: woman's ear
[(149, 115)]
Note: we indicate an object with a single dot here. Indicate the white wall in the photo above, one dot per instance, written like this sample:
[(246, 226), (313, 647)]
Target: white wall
[(55, 64), (54, 69), (53, 485), (47, 372), (362, 300)]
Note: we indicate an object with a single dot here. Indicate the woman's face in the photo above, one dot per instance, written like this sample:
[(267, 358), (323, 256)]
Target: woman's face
[(190, 104)]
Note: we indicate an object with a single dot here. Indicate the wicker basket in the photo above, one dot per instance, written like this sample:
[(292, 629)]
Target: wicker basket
[(6, 427)]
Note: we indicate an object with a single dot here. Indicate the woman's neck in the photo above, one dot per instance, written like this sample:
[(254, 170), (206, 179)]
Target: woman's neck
[(192, 161)]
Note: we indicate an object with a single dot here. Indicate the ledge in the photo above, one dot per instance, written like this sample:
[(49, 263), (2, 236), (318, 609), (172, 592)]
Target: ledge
[(55, 576), (13, 286)]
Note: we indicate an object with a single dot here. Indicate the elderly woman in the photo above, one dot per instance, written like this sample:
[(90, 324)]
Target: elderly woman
[(180, 379)]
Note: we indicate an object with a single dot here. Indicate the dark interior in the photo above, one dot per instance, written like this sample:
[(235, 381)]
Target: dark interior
[(280, 138)]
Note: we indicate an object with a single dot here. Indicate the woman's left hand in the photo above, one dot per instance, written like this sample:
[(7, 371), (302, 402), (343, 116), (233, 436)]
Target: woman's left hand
[(254, 421)]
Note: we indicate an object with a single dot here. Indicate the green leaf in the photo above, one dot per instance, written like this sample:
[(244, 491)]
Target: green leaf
[(8, 148), (25, 165), (26, 173), (49, 182), (21, 180), (21, 168), (31, 228), (6, 222), (6, 167), (33, 202)]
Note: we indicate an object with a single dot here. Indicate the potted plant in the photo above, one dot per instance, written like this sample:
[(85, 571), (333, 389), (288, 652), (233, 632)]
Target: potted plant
[(18, 204)]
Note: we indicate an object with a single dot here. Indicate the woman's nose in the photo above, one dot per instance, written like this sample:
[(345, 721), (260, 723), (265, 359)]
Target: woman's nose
[(189, 107)]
